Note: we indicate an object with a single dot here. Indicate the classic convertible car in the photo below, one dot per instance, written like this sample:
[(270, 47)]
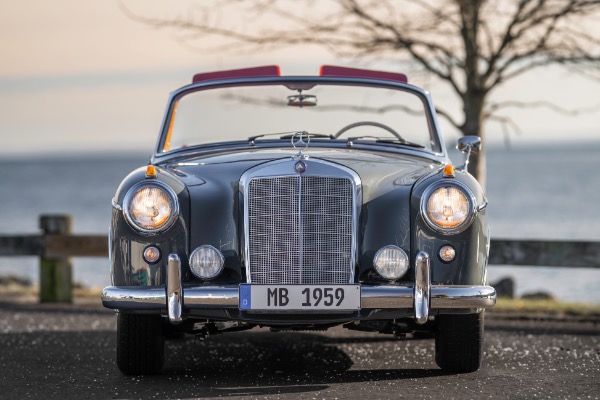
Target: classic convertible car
[(300, 203)]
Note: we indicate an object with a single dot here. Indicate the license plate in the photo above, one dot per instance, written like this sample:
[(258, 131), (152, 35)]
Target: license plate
[(300, 297)]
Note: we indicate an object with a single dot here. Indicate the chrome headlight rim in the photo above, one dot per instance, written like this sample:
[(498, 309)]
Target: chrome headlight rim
[(468, 195), (127, 205)]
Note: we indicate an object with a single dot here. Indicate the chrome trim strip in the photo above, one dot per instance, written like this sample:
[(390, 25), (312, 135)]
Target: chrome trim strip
[(372, 297), (422, 288), (462, 297), (483, 205), (134, 298), (116, 205), (174, 289), (386, 296), (213, 297)]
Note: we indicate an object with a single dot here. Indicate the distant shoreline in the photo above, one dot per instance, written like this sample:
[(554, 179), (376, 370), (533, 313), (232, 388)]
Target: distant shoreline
[(128, 154)]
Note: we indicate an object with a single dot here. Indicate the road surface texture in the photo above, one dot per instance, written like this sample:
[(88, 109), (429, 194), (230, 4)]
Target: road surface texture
[(63, 352)]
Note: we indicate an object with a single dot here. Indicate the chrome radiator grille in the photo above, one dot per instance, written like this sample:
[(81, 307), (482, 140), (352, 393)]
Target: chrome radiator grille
[(300, 230)]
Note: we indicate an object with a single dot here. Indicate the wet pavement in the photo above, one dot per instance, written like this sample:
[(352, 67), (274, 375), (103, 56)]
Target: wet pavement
[(57, 352)]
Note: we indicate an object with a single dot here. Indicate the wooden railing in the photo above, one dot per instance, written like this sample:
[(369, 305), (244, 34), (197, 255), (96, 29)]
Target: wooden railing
[(56, 244)]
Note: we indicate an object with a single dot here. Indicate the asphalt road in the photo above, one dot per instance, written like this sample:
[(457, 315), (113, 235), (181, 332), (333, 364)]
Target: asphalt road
[(58, 352)]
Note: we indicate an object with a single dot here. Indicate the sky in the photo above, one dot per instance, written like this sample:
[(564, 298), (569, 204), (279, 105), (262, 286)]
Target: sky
[(84, 77)]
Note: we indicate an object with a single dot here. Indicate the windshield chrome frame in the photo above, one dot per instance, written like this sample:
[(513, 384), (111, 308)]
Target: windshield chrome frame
[(424, 95)]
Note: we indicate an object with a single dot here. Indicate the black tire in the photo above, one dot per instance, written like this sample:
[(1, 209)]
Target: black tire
[(459, 342), (140, 344)]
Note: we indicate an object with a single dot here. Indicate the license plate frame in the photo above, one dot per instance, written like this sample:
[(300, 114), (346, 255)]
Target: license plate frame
[(293, 298)]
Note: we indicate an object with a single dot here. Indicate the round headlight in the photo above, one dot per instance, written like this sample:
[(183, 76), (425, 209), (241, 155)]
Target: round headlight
[(391, 262), (448, 208), (206, 262), (150, 207)]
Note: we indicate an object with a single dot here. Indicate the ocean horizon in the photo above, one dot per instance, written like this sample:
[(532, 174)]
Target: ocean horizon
[(545, 192)]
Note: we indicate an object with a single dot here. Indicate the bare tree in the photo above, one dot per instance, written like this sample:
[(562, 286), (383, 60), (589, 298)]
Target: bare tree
[(474, 46)]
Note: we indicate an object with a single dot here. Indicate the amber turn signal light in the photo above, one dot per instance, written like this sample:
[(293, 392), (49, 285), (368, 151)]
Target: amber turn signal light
[(151, 171), (449, 170)]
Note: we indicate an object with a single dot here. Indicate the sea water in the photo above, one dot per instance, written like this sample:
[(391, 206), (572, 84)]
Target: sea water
[(534, 192)]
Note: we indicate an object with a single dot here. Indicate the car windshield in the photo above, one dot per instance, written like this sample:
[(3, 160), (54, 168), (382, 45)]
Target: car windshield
[(254, 113)]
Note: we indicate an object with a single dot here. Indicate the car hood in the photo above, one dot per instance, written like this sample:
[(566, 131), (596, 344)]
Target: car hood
[(379, 171)]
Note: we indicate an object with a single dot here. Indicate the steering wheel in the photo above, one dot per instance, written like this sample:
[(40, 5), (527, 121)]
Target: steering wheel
[(367, 123)]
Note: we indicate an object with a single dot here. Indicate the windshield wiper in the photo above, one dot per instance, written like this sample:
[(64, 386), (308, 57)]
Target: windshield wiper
[(402, 142), (288, 135), (384, 140), (311, 135), (251, 139)]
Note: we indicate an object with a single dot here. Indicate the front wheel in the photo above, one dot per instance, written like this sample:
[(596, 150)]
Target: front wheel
[(140, 344), (459, 342)]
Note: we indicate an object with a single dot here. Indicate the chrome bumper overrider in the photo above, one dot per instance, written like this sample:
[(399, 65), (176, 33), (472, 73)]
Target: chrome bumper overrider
[(422, 297)]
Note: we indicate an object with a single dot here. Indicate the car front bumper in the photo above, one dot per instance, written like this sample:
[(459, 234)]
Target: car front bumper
[(422, 297)]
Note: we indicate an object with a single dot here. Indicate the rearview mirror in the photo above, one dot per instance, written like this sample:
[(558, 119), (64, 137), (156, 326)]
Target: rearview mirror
[(302, 100)]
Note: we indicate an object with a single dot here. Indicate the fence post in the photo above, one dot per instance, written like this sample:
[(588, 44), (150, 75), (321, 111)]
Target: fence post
[(56, 283)]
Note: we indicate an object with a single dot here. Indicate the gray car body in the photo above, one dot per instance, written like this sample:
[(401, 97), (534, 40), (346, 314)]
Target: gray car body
[(206, 181)]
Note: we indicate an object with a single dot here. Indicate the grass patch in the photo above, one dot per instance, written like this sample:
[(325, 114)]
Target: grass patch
[(553, 307)]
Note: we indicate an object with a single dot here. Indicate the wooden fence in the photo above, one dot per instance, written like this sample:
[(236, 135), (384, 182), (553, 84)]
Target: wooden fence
[(56, 244)]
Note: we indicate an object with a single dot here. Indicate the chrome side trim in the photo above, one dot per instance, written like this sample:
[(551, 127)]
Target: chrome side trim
[(174, 289), (227, 296), (116, 205), (422, 288), (483, 205)]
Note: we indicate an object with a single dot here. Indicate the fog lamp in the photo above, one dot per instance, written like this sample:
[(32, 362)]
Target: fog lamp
[(391, 262), (206, 262), (151, 254), (447, 253)]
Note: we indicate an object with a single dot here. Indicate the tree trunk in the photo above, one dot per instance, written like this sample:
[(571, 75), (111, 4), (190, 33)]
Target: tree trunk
[(475, 93), (473, 125), (477, 164)]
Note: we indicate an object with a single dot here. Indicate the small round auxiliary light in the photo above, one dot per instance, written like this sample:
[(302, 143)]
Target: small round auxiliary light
[(206, 262), (151, 254), (447, 253), (391, 262)]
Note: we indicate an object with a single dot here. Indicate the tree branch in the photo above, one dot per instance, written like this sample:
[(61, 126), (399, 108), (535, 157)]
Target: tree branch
[(539, 36), (493, 107), (444, 114)]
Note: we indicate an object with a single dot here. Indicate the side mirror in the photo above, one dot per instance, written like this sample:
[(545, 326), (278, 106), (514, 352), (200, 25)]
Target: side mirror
[(468, 144)]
